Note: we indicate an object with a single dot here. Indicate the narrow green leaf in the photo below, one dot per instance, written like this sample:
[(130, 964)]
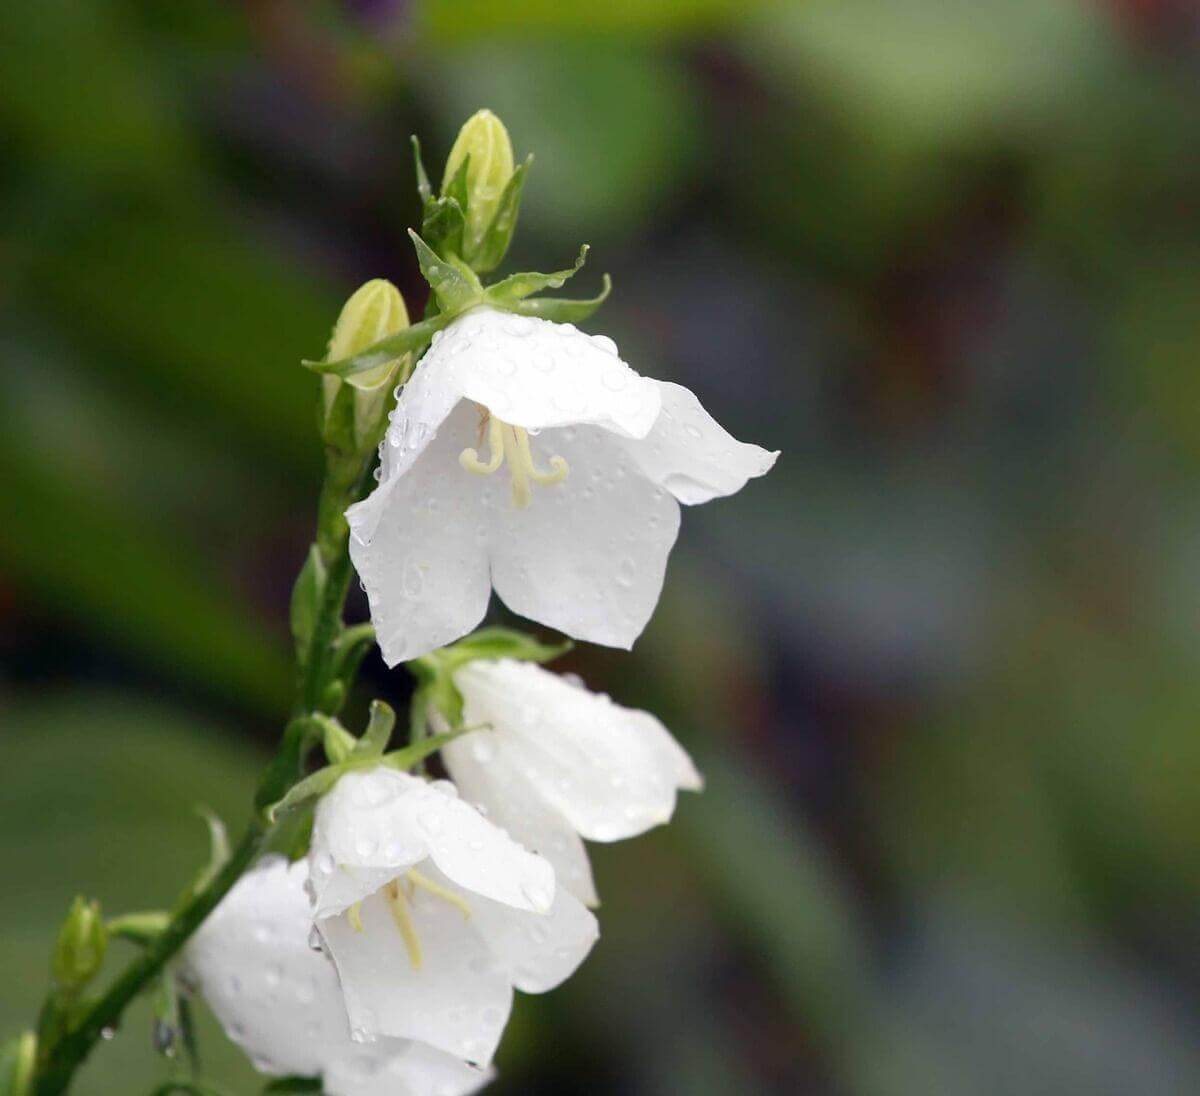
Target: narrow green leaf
[(379, 730), (423, 187), (563, 311), (411, 340), (414, 754), (489, 252), (518, 286), (306, 602), (450, 285)]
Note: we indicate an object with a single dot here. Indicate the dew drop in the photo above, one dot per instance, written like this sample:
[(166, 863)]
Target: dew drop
[(626, 572), (536, 896), (108, 1034)]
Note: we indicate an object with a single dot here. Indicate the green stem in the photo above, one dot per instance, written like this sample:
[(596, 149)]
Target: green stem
[(70, 1051), (64, 1055)]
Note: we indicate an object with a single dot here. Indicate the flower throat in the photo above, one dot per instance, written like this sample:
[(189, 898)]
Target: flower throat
[(511, 444)]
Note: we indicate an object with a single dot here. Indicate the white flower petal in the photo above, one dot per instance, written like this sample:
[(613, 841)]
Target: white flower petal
[(690, 454), (539, 951), (487, 780), (419, 1071), (612, 772), (281, 1001), (374, 825), (419, 543), (537, 374), (459, 998), (588, 555)]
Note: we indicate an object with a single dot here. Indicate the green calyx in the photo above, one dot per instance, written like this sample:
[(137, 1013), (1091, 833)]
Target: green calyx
[(346, 753), (81, 945), (456, 288), (435, 671)]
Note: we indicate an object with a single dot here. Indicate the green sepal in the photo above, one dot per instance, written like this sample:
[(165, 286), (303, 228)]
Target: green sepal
[(311, 787), (337, 742), (423, 187), (456, 189), (435, 671), (517, 287), (306, 602), (18, 1057), (167, 1025), (349, 649), (320, 782), (411, 340), (443, 224), (488, 253), (435, 689), (454, 286), (218, 853), (493, 643), (298, 737), (414, 753), (563, 311), (378, 733), (139, 928)]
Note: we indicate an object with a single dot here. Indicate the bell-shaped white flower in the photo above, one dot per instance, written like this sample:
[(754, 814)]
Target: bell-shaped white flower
[(280, 1000), (526, 455), (556, 763), (433, 914)]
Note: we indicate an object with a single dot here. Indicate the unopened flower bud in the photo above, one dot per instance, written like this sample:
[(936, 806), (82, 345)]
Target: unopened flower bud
[(354, 408), (82, 942), (17, 1060), (485, 141)]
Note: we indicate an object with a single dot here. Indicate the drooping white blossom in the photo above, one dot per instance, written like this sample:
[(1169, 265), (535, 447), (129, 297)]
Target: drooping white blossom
[(279, 999), (433, 914), (554, 763), (527, 456)]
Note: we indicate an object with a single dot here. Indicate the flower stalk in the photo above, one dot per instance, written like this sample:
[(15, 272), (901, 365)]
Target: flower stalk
[(60, 1058)]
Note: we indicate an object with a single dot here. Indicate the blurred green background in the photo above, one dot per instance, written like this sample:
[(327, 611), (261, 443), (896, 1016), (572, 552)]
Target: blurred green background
[(942, 667)]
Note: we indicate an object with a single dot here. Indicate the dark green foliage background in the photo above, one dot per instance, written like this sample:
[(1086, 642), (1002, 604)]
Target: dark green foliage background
[(942, 666)]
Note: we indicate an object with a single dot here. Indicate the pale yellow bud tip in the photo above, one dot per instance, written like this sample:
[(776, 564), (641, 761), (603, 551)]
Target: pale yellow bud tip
[(374, 311), (484, 139)]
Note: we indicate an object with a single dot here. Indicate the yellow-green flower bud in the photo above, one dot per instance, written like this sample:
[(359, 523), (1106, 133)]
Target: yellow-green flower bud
[(355, 408), (17, 1060), (82, 942), (484, 139)]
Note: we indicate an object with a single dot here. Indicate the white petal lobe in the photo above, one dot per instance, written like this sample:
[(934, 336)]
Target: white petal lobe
[(419, 543), (588, 556), (690, 454)]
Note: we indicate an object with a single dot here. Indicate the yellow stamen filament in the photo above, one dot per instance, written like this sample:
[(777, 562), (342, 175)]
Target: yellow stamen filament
[(511, 444), (402, 915), (438, 891), (354, 916)]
